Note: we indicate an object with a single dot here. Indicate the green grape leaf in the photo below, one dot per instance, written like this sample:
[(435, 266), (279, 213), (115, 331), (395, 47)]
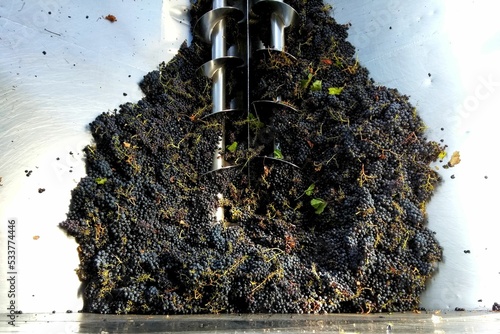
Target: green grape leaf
[(100, 180), (304, 83), (232, 147), (316, 86), (309, 190), (319, 204), (335, 90)]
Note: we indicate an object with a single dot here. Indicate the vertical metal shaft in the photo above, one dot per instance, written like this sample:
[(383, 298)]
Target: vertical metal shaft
[(281, 16), (219, 80), (277, 32), (219, 51), (278, 40), (219, 93), (211, 27)]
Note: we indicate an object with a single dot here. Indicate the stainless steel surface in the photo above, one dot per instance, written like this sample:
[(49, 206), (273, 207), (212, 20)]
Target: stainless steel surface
[(213, 25), (282, 16), (456, 322), (207, 23), (442, 53), (210, 68)]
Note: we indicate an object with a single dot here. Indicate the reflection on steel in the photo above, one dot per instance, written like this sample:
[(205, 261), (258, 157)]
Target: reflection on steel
[(282, 16), (409, 323), (212, 28), (401, 43)]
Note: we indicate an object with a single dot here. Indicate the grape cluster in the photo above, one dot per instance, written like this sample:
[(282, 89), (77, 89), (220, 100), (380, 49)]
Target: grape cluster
[(344, 232)]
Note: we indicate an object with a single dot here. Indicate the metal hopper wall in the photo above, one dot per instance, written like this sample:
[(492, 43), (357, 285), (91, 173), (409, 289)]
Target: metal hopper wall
[(62, 63)]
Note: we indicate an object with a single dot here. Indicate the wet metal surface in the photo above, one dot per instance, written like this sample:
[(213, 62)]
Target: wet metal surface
[(455, 322), (62, 63)]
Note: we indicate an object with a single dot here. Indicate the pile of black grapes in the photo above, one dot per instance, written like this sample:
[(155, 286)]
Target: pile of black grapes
[(335, 222)]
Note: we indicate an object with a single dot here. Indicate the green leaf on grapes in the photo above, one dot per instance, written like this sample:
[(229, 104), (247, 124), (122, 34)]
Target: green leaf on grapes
[(319, 204)]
